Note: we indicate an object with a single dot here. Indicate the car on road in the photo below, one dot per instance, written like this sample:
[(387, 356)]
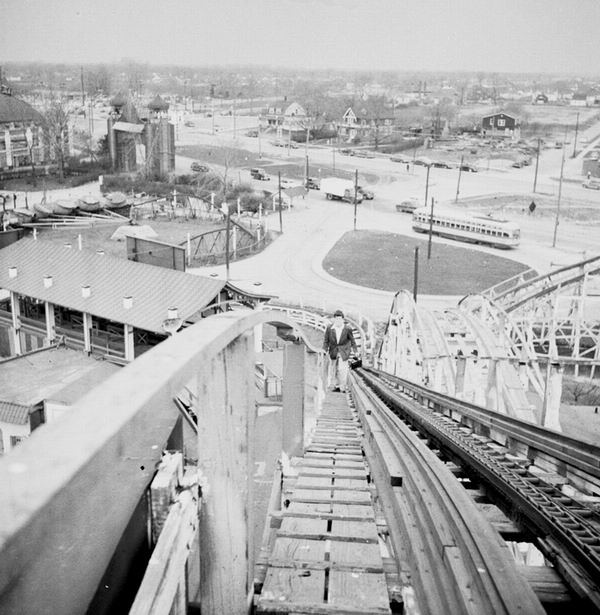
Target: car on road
[(252, 133), (196, 167), (367, 195), (469, 168), (258, 173), (312, 183), (364, 154), (408, 206), (189, 124), (591, 184), (440, 164), (279, 143), (518, 164), (398, 159), (347, 152)]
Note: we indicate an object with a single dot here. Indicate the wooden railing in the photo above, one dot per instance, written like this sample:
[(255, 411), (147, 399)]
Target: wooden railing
[(75, 492)]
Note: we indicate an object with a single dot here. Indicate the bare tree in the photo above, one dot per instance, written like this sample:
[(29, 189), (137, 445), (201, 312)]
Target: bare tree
[(581, 392), (56, 131)]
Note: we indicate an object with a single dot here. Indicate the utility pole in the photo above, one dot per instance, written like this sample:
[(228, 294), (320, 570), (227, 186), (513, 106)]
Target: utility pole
[(459, 174), (306, 172), (279, 191), (427, 184), (234, 133), (416, 274), (537, 161), (430, 231), (576, 131), (212, 113), (355, 195), (562, 166), (227, 231), (259, 146), (83, 91), (307, 138)]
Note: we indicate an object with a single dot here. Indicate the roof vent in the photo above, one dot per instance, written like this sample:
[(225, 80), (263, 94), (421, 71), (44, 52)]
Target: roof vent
[(86, 291), (68, 246), (100, 252), (172, 313), (128, 302), (48, 281), (12, 272)]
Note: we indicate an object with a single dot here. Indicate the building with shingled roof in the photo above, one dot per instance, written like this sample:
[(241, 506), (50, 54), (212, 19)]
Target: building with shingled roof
[(21, 138), (103, 305)]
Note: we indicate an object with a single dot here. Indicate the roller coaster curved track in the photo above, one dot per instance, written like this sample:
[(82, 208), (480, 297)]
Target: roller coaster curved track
[(566, 530)]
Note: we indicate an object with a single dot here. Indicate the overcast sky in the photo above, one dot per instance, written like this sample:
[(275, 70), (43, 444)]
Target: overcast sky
[(473, 35)]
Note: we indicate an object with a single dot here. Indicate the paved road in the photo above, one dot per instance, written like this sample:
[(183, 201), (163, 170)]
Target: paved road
[(292, 266)]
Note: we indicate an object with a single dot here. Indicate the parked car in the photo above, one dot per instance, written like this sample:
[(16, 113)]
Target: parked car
[(407, 206), (440, 164), (347, 152), (196, 167), (252, 133), (469, 168), (258, 173), (312, 183), (518, 164), (398, 159), (367, 195), (591, 184), (189, 124)]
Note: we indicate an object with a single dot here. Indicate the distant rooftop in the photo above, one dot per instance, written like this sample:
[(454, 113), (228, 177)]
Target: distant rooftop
[(59, 374), (14, 110)]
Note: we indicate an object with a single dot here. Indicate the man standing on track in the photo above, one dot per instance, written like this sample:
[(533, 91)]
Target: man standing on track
[(339, 344)]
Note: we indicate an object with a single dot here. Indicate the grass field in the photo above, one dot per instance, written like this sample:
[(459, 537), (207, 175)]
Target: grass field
[(385, 261)]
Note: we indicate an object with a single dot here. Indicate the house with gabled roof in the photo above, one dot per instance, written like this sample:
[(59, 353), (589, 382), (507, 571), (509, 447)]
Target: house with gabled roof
[(500, 125), (365, 123)]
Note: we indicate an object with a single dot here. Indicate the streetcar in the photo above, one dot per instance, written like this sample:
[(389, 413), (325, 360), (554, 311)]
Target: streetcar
[(464, 226)]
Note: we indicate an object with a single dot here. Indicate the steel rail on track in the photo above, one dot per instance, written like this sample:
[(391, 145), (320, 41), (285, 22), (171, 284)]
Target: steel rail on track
[(458, 564), (545, 511), (581, 459)]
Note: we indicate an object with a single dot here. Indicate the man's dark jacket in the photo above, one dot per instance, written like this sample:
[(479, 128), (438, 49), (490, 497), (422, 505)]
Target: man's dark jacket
[(344, 347)]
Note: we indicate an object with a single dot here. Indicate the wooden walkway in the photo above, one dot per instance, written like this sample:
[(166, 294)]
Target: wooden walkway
[(326, 556)]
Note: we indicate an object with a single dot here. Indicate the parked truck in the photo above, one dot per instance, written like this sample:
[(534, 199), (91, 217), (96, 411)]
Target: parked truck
[(341, 189)]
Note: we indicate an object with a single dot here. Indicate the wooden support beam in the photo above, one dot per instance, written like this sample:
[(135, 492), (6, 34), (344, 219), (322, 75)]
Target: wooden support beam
[(87, 332), (129, 342), (50, 322), (162, 591), (15, 309), (293, 399), (225, 458)]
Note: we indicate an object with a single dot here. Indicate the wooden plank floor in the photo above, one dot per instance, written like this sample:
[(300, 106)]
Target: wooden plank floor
[(326, 556)]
